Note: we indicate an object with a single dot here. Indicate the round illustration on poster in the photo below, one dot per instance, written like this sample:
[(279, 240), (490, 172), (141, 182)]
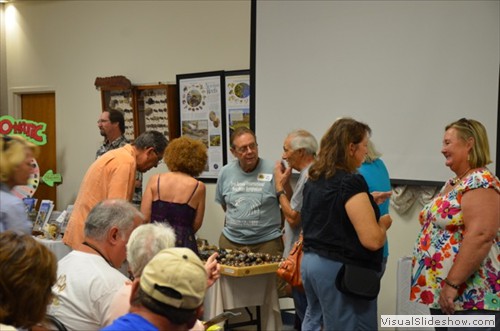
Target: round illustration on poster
[(194, 97)]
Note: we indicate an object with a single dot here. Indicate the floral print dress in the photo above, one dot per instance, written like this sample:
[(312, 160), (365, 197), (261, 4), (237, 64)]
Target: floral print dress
[(439, 242)]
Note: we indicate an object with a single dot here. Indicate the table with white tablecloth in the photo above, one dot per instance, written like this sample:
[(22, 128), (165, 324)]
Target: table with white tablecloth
[(56, 246), (250, 291)]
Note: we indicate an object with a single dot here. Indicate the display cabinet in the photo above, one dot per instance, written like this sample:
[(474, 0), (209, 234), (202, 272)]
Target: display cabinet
[(144, 107), (157, 109)]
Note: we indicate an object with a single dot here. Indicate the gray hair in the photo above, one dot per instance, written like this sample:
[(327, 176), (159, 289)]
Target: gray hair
[(109, 213), (372, 153), (303, 139), (145, 242), (151, 139)]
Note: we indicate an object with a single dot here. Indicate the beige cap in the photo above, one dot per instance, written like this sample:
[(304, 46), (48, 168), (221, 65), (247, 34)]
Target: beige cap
[(176, 277)]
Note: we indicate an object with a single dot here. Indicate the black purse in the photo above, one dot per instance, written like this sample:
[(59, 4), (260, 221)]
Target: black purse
[(359, 282)]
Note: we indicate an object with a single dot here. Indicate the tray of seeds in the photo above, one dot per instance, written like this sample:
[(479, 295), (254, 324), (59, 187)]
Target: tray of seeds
[(242, 262)]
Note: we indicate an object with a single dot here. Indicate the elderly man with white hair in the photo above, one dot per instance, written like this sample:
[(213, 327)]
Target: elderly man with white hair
[(145, 242), (169, 294), (299, 152)]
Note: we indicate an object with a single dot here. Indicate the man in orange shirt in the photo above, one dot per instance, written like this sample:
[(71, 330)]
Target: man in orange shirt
[(112, 176)]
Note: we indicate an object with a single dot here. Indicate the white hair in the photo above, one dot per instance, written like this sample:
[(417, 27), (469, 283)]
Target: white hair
[(145, 242)]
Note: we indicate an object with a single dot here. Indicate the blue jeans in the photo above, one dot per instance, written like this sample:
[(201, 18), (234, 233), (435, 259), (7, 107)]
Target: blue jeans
[(300, 303), (327, 308)]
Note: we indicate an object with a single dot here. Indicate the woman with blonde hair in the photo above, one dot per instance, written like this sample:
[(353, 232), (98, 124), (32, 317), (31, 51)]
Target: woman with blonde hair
[(15, 169), (176, 197), (456, 266)]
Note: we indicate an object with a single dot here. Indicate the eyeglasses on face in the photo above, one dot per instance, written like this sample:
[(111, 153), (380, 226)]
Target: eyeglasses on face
[(159, 157), (102, 121), (244, 149)]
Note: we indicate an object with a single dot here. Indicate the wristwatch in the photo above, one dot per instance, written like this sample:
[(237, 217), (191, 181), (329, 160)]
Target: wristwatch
[(279, 193)]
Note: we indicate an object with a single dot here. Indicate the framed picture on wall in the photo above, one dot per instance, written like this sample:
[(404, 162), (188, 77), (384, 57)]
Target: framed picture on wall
[(203, 116), (238, 111)]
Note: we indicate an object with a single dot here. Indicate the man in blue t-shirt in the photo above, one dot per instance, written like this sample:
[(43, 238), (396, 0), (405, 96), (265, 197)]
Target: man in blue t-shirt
[(246, 191)]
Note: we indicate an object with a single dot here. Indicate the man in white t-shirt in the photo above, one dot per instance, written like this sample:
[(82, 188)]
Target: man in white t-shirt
[(88, 278)]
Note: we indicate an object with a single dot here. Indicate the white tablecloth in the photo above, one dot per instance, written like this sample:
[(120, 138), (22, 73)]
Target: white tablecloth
[(238, 292), (56, 246)]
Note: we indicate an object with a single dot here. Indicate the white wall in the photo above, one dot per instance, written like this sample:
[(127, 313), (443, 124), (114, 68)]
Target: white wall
[(64, 45), (406, 68)]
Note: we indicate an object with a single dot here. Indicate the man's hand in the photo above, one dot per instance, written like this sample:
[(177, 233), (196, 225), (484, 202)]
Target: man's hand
[(281, 175), (212, 268)]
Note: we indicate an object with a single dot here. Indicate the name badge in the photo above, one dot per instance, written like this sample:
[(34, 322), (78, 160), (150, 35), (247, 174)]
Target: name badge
[(264, 177)]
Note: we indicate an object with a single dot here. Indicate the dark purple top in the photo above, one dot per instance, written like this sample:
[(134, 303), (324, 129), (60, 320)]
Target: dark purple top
[(180, 216)]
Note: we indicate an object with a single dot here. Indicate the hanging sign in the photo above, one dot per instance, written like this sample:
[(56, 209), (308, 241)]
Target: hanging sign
[(32, 131)]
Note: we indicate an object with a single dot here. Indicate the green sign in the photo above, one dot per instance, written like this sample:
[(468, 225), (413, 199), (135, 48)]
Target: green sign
[(50, 178)]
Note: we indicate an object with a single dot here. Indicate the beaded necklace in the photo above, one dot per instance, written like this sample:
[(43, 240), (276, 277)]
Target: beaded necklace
[(457, 179)]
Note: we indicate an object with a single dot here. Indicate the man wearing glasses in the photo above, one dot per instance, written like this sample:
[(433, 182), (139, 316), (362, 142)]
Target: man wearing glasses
[(246, 191), (112, 176), (111, 126)]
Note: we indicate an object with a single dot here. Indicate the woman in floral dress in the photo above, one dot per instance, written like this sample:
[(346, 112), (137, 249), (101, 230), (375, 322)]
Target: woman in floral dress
[(456, 259)]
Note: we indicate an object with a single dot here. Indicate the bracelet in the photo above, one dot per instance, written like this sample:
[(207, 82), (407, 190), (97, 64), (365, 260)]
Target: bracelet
[(456, 287), (279, 193)]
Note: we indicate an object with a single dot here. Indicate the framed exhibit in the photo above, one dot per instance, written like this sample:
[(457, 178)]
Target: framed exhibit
[(238, 113), (203, 116), (157, 109), (122, 100)]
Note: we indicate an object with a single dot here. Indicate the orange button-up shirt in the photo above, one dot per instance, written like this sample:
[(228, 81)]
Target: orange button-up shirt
[(112, 176)]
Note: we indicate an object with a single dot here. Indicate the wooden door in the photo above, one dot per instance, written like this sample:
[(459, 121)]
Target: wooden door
[(41, 107)]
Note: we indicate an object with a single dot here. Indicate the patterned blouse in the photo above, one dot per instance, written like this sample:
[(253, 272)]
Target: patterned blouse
[(438, 244)]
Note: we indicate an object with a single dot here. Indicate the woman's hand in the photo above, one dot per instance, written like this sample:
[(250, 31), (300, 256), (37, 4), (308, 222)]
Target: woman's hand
[(380, 197), (385, 221), (447, 298), (212, 268)]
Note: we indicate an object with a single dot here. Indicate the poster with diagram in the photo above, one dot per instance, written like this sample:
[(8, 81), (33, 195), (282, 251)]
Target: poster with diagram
[(202, 116)]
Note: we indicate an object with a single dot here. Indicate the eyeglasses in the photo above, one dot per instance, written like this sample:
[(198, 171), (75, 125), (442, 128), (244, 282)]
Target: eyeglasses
[(159, 156), (244, 149), (102, 121)]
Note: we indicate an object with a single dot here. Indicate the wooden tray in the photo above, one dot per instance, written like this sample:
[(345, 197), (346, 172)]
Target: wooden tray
[(248, 271)]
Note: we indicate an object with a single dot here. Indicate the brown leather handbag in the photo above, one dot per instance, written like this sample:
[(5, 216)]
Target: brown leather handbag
[(289, 269)]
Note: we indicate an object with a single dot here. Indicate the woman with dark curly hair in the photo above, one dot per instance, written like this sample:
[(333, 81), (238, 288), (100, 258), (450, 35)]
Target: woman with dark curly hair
[(27, 273), (176, 197)]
